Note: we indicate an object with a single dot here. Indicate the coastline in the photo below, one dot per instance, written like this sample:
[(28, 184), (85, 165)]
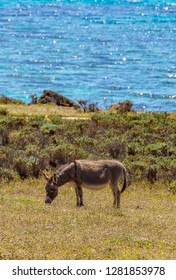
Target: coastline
[(52, 109)]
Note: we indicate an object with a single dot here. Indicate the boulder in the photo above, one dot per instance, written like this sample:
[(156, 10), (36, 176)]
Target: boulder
[(49, 96), (122, 107)]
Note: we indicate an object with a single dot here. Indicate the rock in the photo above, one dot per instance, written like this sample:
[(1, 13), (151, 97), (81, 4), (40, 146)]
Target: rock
[(114, 107), (122, 107), (49, 96)]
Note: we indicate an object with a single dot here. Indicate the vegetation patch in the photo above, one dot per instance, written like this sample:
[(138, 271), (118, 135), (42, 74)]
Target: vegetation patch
[(144, 142), (9, 100), (36, 138)]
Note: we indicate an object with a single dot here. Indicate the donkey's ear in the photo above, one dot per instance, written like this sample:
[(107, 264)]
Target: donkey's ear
[(55, 179), (46, 177)]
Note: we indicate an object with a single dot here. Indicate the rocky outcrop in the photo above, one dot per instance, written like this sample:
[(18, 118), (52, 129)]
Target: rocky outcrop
[(49, 96), (122, 107)]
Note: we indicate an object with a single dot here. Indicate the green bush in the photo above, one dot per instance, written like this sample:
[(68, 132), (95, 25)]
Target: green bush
[(27, 166), (144, 142), (55, 119), (49, 128), (172, 187), (7, 174)]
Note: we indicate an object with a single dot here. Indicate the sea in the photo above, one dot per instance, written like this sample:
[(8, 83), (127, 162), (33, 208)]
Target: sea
[(102, 51)]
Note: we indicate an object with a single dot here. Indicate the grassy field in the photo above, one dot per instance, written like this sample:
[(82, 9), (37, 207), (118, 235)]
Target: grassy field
[(42, 110), (142, 229), (35, 137)]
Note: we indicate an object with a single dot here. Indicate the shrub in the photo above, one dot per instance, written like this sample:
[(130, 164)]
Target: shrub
[(9, 100), (22, 168), (117, 150), (11, 122), (172, 187), (91, 107), (86, 144), (36, 122), (125, 107), (167, 169), (144, 142), (6, 174), (49, 128), (34, 99), (64, 153), (27, 166), (83, 104), (56, 119), (136, 170), (133, 148), (4, 136), (152, 174), (3, 112), (36, 165), (157, 149)]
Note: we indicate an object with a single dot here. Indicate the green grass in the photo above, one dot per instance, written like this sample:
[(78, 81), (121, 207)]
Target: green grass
[(142, 229)]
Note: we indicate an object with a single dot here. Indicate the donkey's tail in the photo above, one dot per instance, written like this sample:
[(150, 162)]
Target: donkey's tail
[(125, 180)]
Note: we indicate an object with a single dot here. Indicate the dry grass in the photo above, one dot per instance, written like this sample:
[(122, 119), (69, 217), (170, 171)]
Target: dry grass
[(52, 109), (142, 229), (43, 110)]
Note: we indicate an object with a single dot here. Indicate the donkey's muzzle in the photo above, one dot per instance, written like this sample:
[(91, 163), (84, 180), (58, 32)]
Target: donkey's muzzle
[(48, 200)]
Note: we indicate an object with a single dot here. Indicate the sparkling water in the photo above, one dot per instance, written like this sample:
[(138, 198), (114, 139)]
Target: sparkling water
[(100, 51)]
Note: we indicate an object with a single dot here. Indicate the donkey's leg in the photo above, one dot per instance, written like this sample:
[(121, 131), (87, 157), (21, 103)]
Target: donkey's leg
[(118, 197), (80, 195), (77, 196), (114, 194)]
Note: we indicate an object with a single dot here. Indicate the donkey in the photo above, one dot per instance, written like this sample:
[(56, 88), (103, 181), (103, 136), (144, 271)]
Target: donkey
[(94, 175)]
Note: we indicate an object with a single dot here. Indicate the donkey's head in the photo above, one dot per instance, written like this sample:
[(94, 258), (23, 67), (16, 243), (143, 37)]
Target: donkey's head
[(51, 188), (61, 177)]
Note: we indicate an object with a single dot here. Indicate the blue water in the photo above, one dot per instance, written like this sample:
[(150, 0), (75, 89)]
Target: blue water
[(101, 51)]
